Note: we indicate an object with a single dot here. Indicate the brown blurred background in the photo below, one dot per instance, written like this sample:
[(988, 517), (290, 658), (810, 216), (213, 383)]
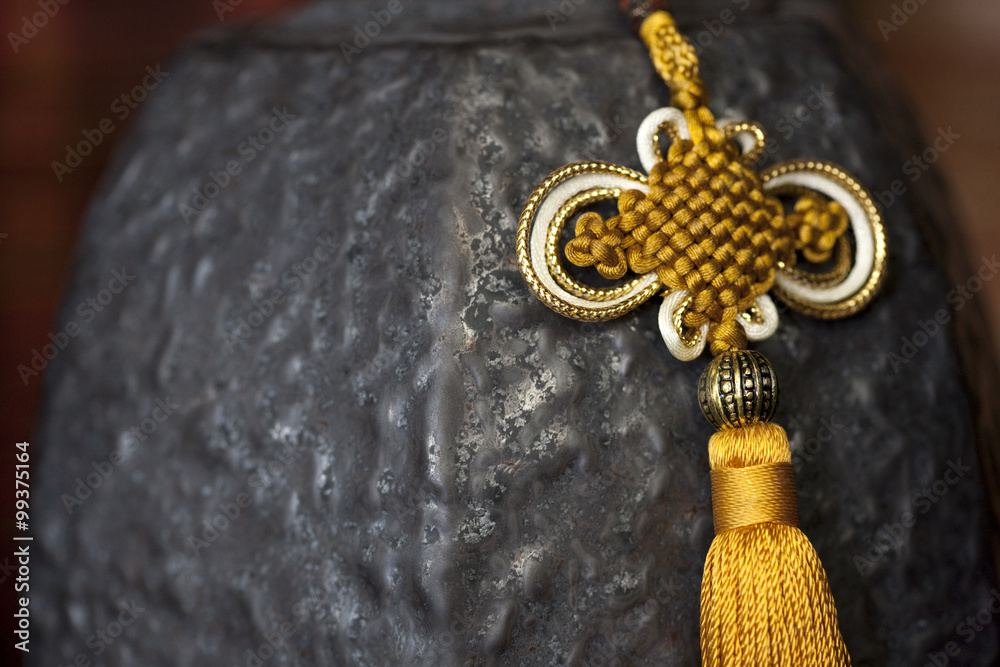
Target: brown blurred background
[(61, 82), (947, 58), (63, 79)]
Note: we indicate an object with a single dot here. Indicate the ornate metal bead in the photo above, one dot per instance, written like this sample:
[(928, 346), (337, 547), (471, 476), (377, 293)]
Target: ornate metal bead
[(738, 388)]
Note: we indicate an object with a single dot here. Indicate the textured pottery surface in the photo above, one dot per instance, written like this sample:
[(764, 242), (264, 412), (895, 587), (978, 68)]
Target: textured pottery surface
[(381, 448)]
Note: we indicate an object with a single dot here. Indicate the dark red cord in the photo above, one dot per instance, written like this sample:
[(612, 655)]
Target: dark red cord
[(637, 10)]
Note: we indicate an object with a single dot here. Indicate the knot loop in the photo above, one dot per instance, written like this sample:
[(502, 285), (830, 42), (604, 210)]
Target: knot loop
[(818, 222), (599, 243)]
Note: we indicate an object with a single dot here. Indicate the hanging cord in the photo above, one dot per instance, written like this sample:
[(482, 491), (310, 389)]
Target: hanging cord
[(706, 226)]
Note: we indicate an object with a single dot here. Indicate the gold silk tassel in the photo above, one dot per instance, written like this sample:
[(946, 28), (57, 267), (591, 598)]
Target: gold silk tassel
[(711, 234), (765, 599)]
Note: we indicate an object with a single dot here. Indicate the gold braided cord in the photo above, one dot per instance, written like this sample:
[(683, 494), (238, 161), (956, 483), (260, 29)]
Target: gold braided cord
[(675, 60), (765, 598), (706, 226), (842, 263), (757, 494), (734, 237)]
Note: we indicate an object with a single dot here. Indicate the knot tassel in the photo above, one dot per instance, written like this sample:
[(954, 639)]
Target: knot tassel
[(765, 598)]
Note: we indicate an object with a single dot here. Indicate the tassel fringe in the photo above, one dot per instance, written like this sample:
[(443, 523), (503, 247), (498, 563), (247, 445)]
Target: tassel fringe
[(765, 598)]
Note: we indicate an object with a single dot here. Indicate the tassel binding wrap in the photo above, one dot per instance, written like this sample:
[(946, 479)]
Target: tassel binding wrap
[(765, 599)]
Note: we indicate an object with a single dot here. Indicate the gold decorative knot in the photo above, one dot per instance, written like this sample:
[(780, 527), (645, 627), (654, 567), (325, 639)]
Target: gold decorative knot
[(706, 226)]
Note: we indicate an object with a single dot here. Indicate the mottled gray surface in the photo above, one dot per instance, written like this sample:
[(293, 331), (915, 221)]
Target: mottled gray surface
[(437, 468)]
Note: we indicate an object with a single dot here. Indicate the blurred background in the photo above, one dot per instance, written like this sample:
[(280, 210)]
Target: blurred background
[(61, 80)]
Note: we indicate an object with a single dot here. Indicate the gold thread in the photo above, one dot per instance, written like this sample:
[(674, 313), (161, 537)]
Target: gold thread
[(670, 128), (692, 338), (748, 127)]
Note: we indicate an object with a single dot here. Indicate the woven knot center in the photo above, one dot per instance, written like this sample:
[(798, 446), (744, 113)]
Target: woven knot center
[(706, 226)]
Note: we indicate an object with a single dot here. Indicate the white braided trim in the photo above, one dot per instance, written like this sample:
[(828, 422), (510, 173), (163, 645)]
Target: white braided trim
[(647, 130), (671, 336), (769, 320), (688, 352), (646, 147)]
